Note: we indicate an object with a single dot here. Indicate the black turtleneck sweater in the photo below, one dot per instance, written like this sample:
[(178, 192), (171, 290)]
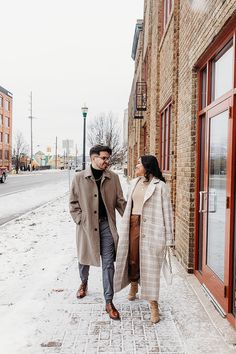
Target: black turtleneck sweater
[(97, 174)]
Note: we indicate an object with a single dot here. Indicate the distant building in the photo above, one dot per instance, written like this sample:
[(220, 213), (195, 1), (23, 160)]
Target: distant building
[(41, 161), (5, 128)]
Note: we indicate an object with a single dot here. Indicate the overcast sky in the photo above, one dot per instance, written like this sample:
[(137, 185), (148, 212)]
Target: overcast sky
[(66, 53)]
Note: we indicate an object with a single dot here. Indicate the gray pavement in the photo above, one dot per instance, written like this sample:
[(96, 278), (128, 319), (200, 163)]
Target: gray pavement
[(24, 181), (84, 327)]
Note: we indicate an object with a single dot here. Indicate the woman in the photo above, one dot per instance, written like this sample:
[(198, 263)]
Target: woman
[(145, 232)]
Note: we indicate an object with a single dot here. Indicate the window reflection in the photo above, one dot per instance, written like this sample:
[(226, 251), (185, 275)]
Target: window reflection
[(217, 193), (222, 72)]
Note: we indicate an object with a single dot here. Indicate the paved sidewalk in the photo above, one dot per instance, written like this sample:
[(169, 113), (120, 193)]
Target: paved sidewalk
[(40, 313), (84, 327)]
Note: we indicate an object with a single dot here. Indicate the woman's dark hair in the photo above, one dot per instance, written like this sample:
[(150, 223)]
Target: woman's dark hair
[(151, 166), (96, 149)]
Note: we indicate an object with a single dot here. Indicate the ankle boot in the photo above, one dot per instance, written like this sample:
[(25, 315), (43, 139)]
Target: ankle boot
[(133, 290), (154, 312)]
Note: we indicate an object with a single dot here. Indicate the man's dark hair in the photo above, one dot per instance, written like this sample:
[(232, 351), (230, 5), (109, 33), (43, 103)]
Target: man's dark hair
[(96, 149)]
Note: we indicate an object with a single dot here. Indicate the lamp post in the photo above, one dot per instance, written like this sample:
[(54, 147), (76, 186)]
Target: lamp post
[(84, 110)]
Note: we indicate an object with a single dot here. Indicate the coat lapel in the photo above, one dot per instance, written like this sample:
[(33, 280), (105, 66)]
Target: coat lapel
[(150, 189)]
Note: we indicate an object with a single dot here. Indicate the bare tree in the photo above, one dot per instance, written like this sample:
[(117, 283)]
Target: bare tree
[(20, 149), (106, 130)]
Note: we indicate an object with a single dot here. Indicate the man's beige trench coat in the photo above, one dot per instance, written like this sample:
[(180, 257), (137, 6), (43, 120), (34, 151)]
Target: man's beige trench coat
[(155, 234), (84, 207)]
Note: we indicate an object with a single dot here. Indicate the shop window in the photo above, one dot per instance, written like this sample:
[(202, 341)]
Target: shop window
[(166, 138), (222, 72)]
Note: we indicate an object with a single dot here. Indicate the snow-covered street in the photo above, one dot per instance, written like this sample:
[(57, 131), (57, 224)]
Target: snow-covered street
[(29, 195), (40, 313)]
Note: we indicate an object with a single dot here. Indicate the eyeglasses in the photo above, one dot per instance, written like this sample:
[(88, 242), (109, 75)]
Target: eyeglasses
[(104, 158)]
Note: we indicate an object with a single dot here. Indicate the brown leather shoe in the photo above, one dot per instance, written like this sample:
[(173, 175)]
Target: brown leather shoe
[(112, 311), (82, 291)]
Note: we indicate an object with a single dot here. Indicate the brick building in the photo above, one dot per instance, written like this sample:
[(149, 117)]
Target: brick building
[(5, 128), (182, 108)]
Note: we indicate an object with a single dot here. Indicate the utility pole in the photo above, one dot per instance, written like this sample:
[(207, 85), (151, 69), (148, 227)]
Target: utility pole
[(76, 153), (31, 129), (56, 154)]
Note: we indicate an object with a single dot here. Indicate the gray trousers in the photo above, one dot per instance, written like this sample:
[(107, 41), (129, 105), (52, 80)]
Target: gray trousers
[(107, 250)]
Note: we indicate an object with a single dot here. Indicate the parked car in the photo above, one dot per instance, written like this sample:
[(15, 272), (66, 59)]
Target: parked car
[(3, 174)]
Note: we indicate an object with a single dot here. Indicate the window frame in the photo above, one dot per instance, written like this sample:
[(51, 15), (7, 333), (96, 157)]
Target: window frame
[(7, 106), (6, 155), (215, 51), (213, 62), (165, 140), (7, 138)]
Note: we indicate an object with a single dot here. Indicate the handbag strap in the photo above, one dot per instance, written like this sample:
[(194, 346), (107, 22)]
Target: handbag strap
[(169, 258)]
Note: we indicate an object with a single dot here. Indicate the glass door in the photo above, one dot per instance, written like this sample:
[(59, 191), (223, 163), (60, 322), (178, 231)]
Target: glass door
[(214, 193)]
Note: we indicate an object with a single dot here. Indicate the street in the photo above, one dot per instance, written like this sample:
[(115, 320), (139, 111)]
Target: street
[(29, 180), (24, 192)]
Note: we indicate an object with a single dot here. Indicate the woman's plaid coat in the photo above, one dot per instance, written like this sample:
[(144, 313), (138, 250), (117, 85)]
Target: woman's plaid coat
[(155, 234)]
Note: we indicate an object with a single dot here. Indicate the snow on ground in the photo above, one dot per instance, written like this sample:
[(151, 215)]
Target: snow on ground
[(23, 201), (34, 249)]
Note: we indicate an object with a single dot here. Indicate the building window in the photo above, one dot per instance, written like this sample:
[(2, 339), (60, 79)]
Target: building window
[(1, 120), (166, 138), (7, 105), (7, 139), (204, 88), (0, 154), (222, 72), (167, 9), (6, 152), (7, 121), (1, 101), (1, 136)]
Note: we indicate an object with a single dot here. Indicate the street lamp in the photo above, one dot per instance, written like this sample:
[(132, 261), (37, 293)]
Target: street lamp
[(84, 110)]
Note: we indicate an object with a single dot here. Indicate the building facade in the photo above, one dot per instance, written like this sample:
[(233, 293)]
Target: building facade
[(182, 108), (5, 128)]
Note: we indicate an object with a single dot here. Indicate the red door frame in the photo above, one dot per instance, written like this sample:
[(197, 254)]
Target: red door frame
[(228, 33)]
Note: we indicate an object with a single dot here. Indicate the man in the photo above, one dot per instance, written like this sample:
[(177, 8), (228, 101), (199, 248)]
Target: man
[(95, 195)]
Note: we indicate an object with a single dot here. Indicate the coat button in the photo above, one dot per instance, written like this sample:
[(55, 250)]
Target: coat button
[(95, 195), (95, 211), (144, 219), (95, 229)]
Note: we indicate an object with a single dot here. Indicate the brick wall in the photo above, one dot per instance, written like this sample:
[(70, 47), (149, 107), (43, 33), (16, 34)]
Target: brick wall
[(172, 56)]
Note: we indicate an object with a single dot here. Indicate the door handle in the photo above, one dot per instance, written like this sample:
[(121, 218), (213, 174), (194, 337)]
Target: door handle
[(202, 198), (212, 204)]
